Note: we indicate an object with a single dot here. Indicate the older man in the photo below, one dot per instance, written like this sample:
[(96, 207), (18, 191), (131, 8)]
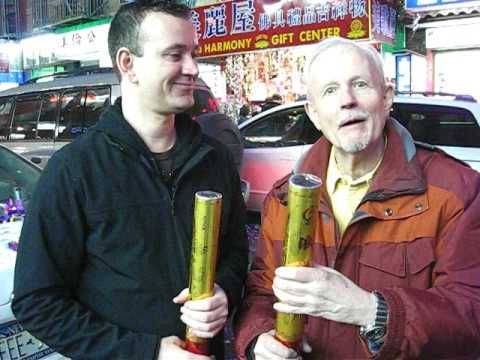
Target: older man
[(395, 270), (103, 265)]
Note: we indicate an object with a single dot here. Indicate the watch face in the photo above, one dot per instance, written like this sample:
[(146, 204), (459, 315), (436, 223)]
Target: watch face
[(376, 333)]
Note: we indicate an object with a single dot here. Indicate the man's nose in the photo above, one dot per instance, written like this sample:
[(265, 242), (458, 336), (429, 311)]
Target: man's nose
[(347, 97), (190, 66)]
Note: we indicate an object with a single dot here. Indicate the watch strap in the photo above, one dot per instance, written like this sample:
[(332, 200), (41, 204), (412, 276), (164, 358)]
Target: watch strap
[(375, 332)]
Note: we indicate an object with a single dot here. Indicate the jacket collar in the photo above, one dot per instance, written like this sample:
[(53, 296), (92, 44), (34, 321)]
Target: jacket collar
[(398, 174), (114, 125)]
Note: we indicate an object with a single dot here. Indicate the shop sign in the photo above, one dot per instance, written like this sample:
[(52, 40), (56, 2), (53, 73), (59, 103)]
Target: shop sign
[(82, 43), (436, 4), (248, 25), (38, 50), (453, 37)]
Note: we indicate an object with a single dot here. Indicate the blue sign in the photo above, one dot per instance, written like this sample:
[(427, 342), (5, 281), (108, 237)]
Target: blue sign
[(421, 4), (12, 77)]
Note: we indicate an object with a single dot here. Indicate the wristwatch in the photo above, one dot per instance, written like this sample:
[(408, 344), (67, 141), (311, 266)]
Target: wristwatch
[(375, 332)]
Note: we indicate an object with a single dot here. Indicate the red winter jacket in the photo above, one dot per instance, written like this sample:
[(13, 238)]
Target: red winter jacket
[(415, 238)]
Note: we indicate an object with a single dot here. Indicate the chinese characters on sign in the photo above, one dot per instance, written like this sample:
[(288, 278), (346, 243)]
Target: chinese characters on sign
[(78, 38), (247, 25)]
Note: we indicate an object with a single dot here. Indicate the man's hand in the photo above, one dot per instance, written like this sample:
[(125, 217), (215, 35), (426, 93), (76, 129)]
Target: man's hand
[(322, 291), (205, 317), (173, 348), (269, 348)]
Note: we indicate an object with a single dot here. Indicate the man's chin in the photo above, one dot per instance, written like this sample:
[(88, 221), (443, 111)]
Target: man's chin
[(353, 148), (180, 107)]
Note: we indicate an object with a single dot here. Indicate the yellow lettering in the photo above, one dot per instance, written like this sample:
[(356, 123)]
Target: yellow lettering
[(318, 34), (239, 44), (280, 39)]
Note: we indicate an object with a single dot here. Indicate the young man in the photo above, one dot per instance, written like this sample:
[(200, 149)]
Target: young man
[(103, 266), (395, 271)]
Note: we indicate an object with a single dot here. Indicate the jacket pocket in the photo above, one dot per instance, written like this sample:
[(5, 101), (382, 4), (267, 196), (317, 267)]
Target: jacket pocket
[(397, 264)]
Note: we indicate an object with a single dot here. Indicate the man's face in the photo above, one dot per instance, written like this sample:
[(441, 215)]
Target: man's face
[(348, 101), (167, 71)]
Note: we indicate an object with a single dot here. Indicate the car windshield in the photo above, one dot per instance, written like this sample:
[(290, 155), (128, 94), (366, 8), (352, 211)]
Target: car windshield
[(16, 174)]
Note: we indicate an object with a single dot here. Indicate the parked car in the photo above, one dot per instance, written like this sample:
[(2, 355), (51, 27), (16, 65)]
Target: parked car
[(39, 117), (275, 139), (18, 177)]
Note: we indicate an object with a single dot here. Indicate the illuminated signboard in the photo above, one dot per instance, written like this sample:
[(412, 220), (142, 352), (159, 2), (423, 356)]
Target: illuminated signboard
[(248, 25), (435, 4)]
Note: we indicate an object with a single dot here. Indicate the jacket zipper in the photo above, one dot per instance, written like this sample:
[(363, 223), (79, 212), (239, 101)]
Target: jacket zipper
[(172, 200)]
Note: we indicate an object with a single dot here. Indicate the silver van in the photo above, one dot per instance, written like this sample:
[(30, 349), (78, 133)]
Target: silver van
[(39, 117)]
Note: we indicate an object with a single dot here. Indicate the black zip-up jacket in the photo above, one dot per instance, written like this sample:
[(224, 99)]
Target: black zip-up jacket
[(106, 244)]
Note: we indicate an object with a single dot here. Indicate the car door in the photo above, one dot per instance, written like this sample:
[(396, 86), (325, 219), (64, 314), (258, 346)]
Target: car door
[(273, 142)]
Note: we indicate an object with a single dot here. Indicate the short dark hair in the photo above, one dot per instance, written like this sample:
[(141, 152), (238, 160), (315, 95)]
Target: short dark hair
[(244, 110), (276, 97), (125, 26)]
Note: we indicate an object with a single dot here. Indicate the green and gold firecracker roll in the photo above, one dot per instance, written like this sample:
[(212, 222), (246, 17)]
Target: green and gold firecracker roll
[(303, 197), (203, 261)]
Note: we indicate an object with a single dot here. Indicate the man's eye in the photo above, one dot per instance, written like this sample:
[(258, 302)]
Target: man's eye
[(173, 56), (360, 84), (330, 91)]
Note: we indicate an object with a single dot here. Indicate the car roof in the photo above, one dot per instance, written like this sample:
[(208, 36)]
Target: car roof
[(64, 82), (96, 77), (472, 106)]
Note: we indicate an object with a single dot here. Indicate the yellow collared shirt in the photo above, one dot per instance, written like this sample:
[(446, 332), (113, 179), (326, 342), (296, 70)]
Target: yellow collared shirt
[(345, 193)]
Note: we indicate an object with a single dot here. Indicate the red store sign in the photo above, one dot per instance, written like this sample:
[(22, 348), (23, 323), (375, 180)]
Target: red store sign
[(248, 25)]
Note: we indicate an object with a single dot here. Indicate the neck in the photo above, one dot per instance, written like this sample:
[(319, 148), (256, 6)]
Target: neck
[(358, 164), (156, 130)]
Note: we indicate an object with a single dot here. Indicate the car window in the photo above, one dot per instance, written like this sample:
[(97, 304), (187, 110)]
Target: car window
[(25, 117), (283, 128), (15, 172), (48, 115), (80, 109), (439, 125), (96, 101), (71, 122), (5, 109)]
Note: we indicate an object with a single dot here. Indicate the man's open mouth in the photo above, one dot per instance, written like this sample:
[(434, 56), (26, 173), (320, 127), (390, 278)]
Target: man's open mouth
[(352, 122)]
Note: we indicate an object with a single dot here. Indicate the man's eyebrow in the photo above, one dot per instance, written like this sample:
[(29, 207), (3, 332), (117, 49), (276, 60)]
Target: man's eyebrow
[(175, 47)]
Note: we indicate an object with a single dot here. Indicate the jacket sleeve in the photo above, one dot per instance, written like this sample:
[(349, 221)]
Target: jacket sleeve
[(233, 255), (443, 321), (256, 314), (49, 265)]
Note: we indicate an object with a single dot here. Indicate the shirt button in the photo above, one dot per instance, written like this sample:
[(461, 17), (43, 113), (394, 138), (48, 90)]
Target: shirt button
[(418, 206), (388, 212)]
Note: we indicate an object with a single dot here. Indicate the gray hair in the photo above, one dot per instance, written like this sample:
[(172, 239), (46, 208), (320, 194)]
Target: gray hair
[(332, 42)]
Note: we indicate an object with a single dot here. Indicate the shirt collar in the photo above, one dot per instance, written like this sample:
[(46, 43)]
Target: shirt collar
[(334, 175)]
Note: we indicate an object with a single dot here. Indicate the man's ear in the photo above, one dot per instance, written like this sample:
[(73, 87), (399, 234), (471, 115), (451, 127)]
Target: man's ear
[(124, 61), (312, 114), (389, 94)]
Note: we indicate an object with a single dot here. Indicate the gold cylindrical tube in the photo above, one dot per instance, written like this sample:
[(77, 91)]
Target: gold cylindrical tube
[(203, 261), (303, 197)]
